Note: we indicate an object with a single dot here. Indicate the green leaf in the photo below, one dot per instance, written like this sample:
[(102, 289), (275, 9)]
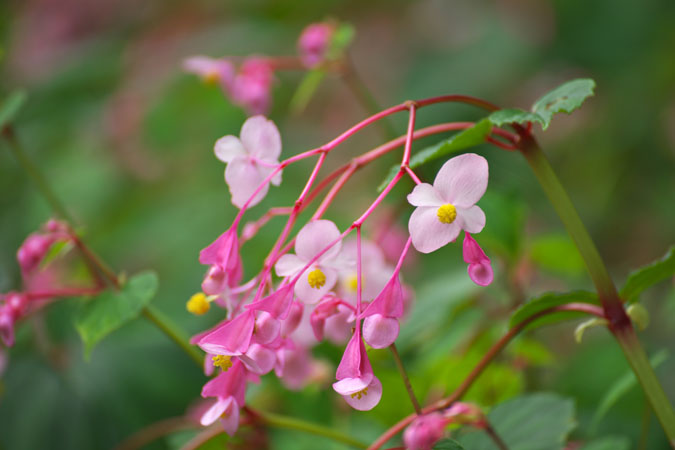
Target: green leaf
[(608, 443), (539, 421), (550, 300), (448, 444), (649, 275), (10, 107), (557, 253), (467, 138), (565, 98), (513, 115), (621, 386), (110, 310)]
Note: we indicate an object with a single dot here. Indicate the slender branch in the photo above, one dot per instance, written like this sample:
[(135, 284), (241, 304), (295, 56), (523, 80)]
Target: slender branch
[(406, 379), (490, 431), (174, 333)]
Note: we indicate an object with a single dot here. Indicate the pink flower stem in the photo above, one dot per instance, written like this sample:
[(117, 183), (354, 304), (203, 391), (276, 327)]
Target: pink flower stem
[(359, 276), (409, 136), (413, 175)]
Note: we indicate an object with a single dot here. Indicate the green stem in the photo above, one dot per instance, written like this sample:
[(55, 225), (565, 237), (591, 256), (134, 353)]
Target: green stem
[(34, 172), (174, 333), (619, 323), (406, 380), (646, 420)]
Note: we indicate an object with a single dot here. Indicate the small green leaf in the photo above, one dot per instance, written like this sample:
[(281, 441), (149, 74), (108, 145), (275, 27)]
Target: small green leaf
[(467, 138), (110, 310), (621, 386), (565, 98), (647, 276), (10, 107), (530, 422), (550, 300), (513, 115), (448, 444)]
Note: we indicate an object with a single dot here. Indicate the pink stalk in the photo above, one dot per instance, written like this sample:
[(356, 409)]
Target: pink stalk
[(409, 136), (413, 175), (359, 275)]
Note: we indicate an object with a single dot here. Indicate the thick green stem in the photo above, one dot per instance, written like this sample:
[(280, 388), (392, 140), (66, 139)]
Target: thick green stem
[(174, 333), (619, 323)]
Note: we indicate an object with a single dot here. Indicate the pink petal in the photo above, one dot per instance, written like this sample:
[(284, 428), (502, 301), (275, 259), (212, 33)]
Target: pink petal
[(389, 302), (294, 318), (425, 195), (314, 237), (278, 304), (367, 401), (223, 252), (229, 147), (261, 138), (259, 359), (354, 362), (309, 295), (338, 327), (288, 265), (427, 232), (230, 420), (225, 384), (265, 171), (463, 180), (471, 251), (215, 411), (266, 328), (380, 331), (297, 368), (243, 178), (349, 386), (424, 431), (471, 219), (233, 338), (6, 327), (481, 273)]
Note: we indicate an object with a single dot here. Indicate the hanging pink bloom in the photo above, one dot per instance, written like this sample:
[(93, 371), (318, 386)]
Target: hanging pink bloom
[(250, 159), (318, 279), (314, 43), (293, 320), (232, 338), (211, 70), (294, 365), (226, 267), (357, 383), (229, 388), (259, 359), (6, 326), (449, 206), (381, 327), (267, 328), (332, 318), (12, 307), (480, 269), (424, 431), (252, 86), (278, 304)]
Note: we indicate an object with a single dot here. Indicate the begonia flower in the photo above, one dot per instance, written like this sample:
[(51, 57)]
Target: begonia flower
[(357, 383), (250, 158), (229, 388), (252, 85), (480, 269), (294, 365), (320, 277), (375, 271), (380, 326), (211, 70), (332, 318), (424, 431), (314, 43), (224, 253), (231, 338), (449, 206)]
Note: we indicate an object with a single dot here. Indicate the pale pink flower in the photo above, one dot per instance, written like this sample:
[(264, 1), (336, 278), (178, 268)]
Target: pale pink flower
[(480, 269), (293, 320), (211, 70), (314, 43), (357, 383), (294, 365), (252, 86), (381, 327), (320, 277), (424, 431), (250, 159), (449, 206), (332, 318), (259, 359), (229, 388), (375, 271)]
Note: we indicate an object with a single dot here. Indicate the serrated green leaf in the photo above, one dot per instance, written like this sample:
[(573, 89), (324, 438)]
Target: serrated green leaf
[(608, 443), (110, 310), (513, 115), (557, 253), (467, 138), (530, 422), (649, 275), (565, 98), (11, 106), (448, 444), (622, 386), (550, 300)]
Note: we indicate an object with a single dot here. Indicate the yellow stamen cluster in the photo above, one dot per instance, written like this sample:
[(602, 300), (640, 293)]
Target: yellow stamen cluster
[(353, 283), (447, 213), (222, 361), (359, 394), (316, 279), (198, 304)]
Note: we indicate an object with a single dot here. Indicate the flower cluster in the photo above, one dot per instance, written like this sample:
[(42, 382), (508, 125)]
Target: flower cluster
[(328, 285)]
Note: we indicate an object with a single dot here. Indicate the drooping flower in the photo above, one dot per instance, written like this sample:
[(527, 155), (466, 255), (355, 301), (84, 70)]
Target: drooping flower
[(357, 383), (320, 277), (449, 206), (229, 388), (314, 42), (480, 269), (250, 159), (381, 327), (211, 70), (232, 338), (224, 253), (332, 318), (13, 305), (252, 86), (424, 431)]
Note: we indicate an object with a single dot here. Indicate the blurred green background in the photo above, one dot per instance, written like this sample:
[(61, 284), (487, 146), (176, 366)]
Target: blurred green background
[(125, 137)]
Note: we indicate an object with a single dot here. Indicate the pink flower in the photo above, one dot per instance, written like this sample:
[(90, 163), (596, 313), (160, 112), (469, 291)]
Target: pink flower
[(224, 254), (357, 383), (11, 309), (250, 159), (278, 304), (375, 271), (211, 70), (465, 414), (332, 317), (480, 269), (313, 43), (381, 327), (229, 388), (424, 431), (320, 277), (449, 206), (252, 86), (232, 338), (294, 365), (6, 326)]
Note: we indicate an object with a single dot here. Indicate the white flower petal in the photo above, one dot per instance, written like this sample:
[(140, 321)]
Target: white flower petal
[(243, 178), (425, 195), (471, 219), (463, 180), (314, 237), (261, 138), (228, 147)]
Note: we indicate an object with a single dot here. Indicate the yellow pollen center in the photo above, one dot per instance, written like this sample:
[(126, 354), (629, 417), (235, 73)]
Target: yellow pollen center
[(198, 304), (316, 278), (353, 283), (212, 77), (447, 213), (222, 361), (359, 394)]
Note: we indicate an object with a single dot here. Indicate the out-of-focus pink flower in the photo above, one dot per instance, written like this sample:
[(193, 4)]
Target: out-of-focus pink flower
[(391, 239), (480, 269), (35, 247), (294, 365), (332, 318), (465, 414), (449, 206), (314, 43), (375, 271), (357, 383), (320, 277), (224, 254), (250, 159), (6, 326), (424, 431), (211, 70), (13, 305), (252, 86), (232, 338), (259, 359), (293, 320), (229, 388)]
